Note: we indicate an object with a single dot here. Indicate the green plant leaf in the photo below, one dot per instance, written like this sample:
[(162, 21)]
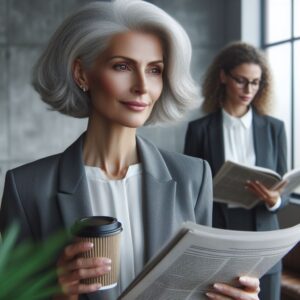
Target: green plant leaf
[(7, 244), (25, 272), (41, 287)]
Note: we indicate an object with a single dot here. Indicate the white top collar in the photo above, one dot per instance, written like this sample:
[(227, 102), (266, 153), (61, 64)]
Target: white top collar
[(231, 121)]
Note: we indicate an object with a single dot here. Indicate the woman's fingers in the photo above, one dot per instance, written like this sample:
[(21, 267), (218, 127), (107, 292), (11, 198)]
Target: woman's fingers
[(225, 292), (75, 249), (80, 274), (257, 188), (249, 291), (217, 296), (270, 197), (72, 268), (76, 288), (281, 185), (250, 283), (80, 262)]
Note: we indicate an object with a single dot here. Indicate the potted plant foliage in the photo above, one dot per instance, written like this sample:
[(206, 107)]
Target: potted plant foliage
[(23, 267)]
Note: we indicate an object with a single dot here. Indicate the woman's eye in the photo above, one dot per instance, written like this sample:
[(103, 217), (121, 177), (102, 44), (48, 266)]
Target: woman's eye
[(241, 80), (121, 67), (155, 70)]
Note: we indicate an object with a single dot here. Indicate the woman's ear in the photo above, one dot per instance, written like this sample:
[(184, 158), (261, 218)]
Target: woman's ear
[(79, 75), (222, 76)]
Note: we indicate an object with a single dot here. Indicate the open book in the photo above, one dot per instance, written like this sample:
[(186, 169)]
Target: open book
[(229, 183), (199, 256)]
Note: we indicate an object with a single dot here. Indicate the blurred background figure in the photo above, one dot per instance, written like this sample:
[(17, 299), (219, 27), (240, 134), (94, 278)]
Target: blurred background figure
[(237, 97)]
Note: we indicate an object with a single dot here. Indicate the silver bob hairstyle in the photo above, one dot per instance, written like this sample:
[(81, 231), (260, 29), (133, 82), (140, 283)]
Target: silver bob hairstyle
[(85, 35)]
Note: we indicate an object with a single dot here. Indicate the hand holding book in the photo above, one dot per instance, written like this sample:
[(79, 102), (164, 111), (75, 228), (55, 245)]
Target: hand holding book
[(229, 184), (269, 196), (197, 257), (249, 289)]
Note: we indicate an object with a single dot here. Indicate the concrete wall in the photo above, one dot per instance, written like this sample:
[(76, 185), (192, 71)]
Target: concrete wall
[(27, 129)]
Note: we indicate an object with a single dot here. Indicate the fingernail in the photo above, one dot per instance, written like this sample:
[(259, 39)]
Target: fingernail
[(210, 295), (218, 286), (243, 279), (104, 269), (107, 260), (90, 245)]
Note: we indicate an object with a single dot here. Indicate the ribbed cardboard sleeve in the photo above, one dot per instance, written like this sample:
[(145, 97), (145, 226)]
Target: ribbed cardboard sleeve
[(106, 246)]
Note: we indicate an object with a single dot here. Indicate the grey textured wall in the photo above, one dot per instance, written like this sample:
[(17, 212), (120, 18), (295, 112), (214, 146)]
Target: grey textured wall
[(27, 129)]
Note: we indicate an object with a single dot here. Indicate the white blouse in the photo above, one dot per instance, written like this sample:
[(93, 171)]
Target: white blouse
[(238, 138), (121, 199)]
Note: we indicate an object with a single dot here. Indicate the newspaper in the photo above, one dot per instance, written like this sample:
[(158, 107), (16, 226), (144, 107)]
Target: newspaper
[(199, 256), (229, 183)]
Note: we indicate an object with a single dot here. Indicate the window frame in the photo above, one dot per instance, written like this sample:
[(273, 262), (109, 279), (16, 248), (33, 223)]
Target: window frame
[(266, 45)]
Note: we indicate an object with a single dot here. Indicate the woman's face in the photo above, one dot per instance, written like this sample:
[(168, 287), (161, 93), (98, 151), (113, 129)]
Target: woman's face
[(126, 80), (242, 84)]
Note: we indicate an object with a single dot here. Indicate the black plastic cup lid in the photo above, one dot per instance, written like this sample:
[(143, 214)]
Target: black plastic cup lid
[(96, 226)]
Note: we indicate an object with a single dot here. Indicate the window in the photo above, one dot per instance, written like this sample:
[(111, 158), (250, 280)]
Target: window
[(281, 41)]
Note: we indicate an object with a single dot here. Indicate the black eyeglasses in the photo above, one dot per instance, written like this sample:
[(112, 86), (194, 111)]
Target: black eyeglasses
[(243, 83)]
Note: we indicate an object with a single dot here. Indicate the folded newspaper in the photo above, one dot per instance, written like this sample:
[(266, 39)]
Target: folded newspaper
[(199, 256), (229, 183)]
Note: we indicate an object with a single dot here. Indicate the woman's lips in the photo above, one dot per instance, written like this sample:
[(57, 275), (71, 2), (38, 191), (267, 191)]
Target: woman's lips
[(134, 105), (246, 98)]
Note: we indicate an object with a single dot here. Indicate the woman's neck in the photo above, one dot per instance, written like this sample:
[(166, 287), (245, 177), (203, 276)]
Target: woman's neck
[(234, 110), (110, 147)]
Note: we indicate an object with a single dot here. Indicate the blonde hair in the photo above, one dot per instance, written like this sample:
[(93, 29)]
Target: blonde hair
[(235, 54), (86, 34)]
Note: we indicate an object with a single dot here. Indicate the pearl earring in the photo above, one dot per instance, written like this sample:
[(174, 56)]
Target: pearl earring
[(83, 88)]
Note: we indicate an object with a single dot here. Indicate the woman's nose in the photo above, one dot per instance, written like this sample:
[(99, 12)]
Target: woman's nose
[(248, 87), (139, 83)]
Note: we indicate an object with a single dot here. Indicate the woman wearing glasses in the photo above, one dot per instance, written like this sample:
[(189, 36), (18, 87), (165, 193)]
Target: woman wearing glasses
[(237, 96)]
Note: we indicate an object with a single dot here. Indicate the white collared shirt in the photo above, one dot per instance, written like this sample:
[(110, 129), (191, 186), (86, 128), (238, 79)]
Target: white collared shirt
[(121, 199), (238, 138), (239, 142)]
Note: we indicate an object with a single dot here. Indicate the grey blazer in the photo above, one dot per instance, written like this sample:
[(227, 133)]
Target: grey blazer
[(204, 139), (51, 193)]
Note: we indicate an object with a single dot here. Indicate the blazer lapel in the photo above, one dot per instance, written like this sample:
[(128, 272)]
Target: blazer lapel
[(158, 186), (73, 196), (259, 138), (216, 142)]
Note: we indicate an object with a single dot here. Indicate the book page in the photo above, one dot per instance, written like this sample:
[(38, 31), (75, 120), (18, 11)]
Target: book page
[(204, 256), (293, 181)]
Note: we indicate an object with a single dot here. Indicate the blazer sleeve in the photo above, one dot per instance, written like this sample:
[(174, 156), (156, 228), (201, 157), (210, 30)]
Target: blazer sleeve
[(282, 151), (282, 159), (203, 207), (12, 209)]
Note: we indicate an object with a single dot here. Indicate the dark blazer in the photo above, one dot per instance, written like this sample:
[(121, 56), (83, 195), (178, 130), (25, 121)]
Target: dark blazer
[(51, 193), (204, 139)]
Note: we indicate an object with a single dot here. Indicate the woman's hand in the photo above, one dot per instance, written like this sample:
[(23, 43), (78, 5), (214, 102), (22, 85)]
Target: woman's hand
[(249, 291), (72, 268), (270, 197)]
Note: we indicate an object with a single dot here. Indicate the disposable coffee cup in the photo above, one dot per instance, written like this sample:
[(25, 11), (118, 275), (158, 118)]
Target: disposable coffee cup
[(104, 233)]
